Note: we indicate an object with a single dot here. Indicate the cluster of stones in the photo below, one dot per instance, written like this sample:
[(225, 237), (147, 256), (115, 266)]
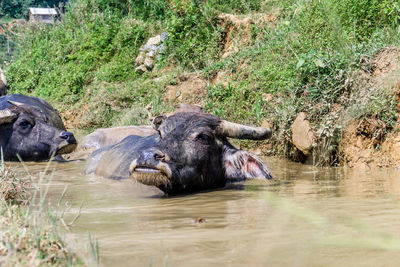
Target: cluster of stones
[(149, 52)]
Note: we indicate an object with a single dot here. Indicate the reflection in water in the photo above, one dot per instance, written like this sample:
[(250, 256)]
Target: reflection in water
[(306, 216)]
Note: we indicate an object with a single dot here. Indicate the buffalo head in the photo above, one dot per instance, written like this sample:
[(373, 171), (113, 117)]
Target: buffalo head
[(192, 153), (31, 133)]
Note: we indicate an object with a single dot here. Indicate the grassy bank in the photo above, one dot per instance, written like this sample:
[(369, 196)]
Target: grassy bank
[(29, 233), (272, 59)]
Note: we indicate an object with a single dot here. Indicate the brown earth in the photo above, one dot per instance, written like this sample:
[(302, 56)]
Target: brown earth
[(365, 143), (236, 35), (72, 118), (237, 30), (190, 89)]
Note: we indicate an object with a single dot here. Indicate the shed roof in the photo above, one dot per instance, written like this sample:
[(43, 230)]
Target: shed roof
[(42, 11)]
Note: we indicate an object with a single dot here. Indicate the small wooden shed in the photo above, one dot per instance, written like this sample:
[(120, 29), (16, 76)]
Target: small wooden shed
[(46, 15)]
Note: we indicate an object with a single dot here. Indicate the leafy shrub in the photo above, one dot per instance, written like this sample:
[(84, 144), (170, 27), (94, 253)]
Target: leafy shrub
[(363, 17), (140, 9), (59, 61), (235, 6), (193, 35)]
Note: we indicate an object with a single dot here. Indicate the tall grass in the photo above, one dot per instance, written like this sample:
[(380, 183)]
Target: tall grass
[(29, 227)]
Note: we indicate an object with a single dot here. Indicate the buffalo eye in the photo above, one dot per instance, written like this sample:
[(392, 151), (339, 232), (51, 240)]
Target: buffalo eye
[(25, 124), (205, 138)]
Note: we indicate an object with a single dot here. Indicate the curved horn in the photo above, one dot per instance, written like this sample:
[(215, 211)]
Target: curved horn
[(240, 131), (6, 116), (15, 103)]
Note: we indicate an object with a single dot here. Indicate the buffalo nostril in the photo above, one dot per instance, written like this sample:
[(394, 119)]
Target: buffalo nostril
[(159, 156), (68, 136)]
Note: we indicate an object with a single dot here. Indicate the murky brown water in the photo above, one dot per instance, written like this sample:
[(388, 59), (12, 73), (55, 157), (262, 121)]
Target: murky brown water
[(307, 216)]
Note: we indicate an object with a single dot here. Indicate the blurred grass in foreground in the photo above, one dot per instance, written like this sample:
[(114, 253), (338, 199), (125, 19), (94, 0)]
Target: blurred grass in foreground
[(29, 227)]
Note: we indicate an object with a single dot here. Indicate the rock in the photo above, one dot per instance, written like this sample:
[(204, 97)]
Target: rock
[(164, 36), (149, 63), (152, 49), (161, 48), (302, 134), (140, 58), (154, 40), (148, 48), (141, 69), (151, 54)]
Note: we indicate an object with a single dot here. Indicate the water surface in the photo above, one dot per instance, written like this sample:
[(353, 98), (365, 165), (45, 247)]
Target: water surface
[(306, 216)]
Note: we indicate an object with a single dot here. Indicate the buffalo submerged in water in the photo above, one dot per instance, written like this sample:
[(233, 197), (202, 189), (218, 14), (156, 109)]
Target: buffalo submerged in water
[(190, 153), (31, 129)]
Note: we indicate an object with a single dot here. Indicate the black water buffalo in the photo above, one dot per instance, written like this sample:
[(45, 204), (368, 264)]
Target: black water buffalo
[(190, 153), (32, 129), (3, 83)]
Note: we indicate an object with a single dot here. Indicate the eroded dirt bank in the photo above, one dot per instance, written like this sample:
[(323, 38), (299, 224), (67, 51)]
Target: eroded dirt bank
[(370, 142)]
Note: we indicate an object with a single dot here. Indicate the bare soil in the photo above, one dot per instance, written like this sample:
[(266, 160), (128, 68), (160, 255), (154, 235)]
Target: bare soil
[(190, 89), (365, 143)]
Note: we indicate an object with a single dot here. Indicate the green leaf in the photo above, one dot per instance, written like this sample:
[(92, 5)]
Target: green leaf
[(300, 63), (318, 62)]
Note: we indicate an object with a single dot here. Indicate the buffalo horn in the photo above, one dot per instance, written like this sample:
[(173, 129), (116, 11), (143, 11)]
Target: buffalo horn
[(6, 116), (15, 103), (239, 131)]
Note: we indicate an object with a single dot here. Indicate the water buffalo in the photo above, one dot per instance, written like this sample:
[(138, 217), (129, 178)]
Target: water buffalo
[(3, 83), (190, 153), (110, 136), (32, 129)]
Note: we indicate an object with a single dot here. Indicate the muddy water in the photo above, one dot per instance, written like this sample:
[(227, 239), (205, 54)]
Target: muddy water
[(307, 216)]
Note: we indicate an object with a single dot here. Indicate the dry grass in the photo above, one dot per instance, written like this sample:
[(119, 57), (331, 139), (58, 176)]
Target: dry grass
[(28, 228)]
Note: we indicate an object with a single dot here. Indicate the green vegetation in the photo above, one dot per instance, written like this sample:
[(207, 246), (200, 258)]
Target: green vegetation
[(304, 59)]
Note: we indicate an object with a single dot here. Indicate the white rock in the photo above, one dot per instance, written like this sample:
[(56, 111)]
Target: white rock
[(154, 40), (140, 58), (149, 63), (141, 69)]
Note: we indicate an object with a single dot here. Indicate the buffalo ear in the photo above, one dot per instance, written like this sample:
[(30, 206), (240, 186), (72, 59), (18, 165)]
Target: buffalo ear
[(242, 165), (6, 116), (157, 121)]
